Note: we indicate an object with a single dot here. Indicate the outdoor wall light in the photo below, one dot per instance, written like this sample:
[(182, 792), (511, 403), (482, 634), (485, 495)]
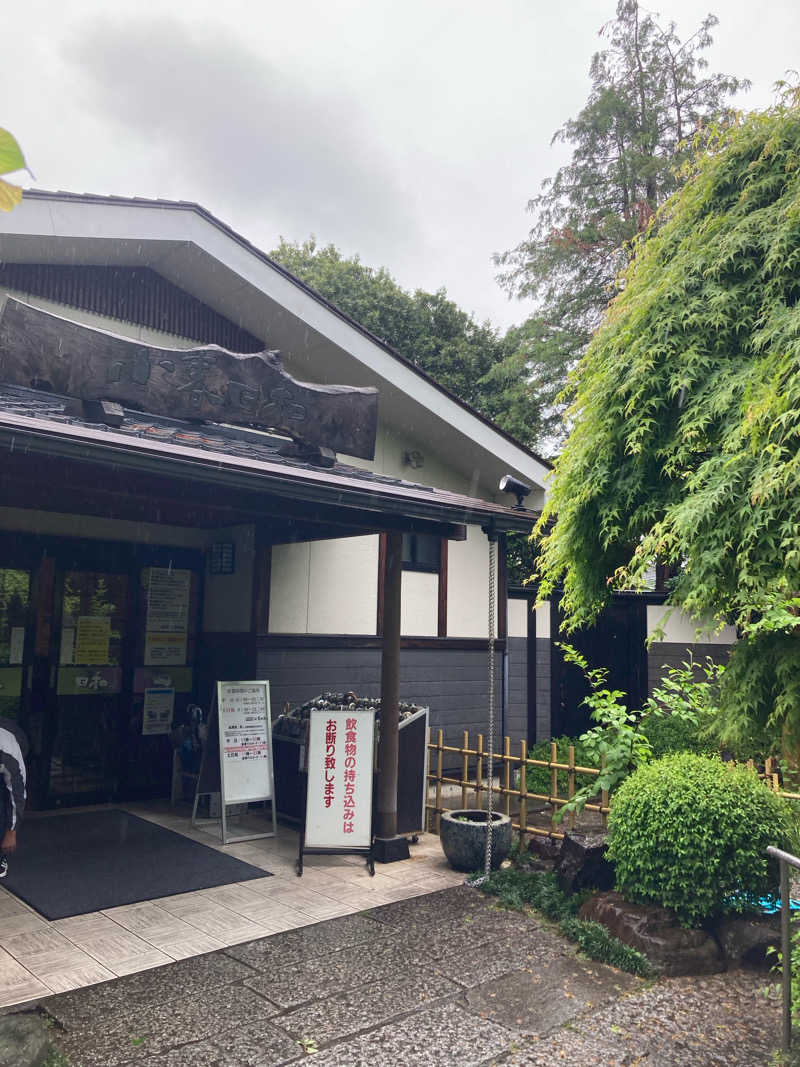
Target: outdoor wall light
[(510, 484), (222, 557)]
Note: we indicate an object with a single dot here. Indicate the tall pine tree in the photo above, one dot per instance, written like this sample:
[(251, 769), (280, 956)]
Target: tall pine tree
[(650, 103)]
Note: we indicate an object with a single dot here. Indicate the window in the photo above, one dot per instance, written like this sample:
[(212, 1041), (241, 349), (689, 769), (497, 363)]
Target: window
[(422, 552)]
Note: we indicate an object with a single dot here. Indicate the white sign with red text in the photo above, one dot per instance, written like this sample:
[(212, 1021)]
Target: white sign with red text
[(340, 761)]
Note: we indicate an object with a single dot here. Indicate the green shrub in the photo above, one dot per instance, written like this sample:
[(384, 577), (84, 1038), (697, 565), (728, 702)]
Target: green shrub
[(539, 777), (672, 733), (690, 833), (595, 941)]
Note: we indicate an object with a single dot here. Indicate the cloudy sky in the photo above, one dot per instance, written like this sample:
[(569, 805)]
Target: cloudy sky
[(412, 132)]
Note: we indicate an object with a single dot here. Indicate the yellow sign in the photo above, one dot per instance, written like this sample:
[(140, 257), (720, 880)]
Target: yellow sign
[(162, 650), (92, 639)]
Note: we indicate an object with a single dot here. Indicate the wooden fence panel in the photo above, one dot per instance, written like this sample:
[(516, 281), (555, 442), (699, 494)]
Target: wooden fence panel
[(516, 799)]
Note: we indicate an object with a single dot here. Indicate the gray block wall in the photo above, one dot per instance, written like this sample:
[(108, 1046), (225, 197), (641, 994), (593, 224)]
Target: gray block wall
[(664, 654), (453, 683), (543, 692), (517, 689)]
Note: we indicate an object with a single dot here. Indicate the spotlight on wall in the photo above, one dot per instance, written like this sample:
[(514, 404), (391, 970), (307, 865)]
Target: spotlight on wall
[(509, 484)]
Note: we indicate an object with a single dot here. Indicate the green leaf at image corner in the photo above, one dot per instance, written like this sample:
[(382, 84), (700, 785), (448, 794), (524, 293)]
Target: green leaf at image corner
[(11, 157)]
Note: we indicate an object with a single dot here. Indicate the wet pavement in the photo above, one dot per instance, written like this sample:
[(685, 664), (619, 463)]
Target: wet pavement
[(446, 978)]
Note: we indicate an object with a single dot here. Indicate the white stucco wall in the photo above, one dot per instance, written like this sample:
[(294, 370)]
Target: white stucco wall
[(468, 585), (325, 587), (419, 604), (518, 618), (343, 586), (543, 620), (680, 629)]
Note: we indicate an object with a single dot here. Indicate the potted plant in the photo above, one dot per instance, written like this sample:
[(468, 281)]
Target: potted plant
[(463, 836)]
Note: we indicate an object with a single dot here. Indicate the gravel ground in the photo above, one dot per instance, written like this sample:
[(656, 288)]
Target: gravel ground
[(723, 1020)]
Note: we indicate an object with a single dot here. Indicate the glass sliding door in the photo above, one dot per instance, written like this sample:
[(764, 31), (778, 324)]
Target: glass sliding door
[(91, 647), (15, 589)]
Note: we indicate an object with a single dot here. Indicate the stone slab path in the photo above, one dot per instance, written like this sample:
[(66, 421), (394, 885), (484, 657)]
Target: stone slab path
[(441, 979), (39, 957)]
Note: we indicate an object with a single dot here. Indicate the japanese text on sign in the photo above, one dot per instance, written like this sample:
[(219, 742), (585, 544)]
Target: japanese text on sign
[(339, 801), (330, 761), (245, 740)]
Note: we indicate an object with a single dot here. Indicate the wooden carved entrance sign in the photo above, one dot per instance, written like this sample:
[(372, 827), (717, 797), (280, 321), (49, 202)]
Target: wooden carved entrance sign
[(207, 383)]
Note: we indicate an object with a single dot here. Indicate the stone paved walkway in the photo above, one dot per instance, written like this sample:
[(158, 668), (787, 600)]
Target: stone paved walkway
[(441, 979), (38, 957)]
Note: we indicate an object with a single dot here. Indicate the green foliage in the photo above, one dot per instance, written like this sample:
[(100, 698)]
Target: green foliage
[(671, 733), (539, 778), (520, 889), (690, 833), (595, 941), (429, 330), (11, 159), (776, 957), (617, 738), (649, 95), (680, 714), (687, 418)]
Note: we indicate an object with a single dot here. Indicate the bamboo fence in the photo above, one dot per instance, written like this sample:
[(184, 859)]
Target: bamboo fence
[(509, 788)]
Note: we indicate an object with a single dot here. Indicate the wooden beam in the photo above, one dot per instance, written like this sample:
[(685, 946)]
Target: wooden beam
[(390, 690), (262, 574), (442, 606), (381, 583), (502, 587)]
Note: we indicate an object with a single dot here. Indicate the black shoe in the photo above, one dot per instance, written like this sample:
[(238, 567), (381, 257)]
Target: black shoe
[(3, 867)]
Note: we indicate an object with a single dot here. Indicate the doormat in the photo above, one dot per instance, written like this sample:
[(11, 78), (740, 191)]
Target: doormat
[(70, 864)]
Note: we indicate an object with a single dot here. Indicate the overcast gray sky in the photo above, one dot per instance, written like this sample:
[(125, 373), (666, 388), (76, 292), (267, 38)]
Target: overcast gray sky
[(412, 132)]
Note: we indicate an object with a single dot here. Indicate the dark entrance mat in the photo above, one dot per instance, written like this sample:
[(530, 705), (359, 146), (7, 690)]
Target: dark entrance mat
[(71, 864)]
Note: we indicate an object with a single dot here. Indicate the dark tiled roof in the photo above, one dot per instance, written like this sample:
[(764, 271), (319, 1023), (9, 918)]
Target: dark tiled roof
[(229, 440)]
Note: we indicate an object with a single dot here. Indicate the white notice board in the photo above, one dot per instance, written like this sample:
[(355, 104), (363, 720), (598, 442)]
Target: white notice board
[(339, 797), (245, 741)]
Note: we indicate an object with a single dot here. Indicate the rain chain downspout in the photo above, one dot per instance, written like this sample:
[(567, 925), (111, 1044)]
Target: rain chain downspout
[(487, 866)]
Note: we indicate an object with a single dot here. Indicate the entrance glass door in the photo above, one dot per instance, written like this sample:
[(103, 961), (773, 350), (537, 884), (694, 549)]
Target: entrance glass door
[(15, 588), (92, 627)]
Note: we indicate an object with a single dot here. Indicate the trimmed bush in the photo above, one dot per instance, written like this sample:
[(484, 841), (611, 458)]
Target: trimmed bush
[(690, 833)]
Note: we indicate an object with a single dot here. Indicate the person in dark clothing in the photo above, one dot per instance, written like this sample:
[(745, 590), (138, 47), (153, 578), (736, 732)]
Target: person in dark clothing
[(12, 788)]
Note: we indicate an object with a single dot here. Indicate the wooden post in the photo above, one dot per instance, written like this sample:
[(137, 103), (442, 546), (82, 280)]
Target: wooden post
[(479, 773), (603, 798), (390, 690), (553, 782), (523, 792), (571, 783), (507, 772), (464, 769), (439, 758)]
